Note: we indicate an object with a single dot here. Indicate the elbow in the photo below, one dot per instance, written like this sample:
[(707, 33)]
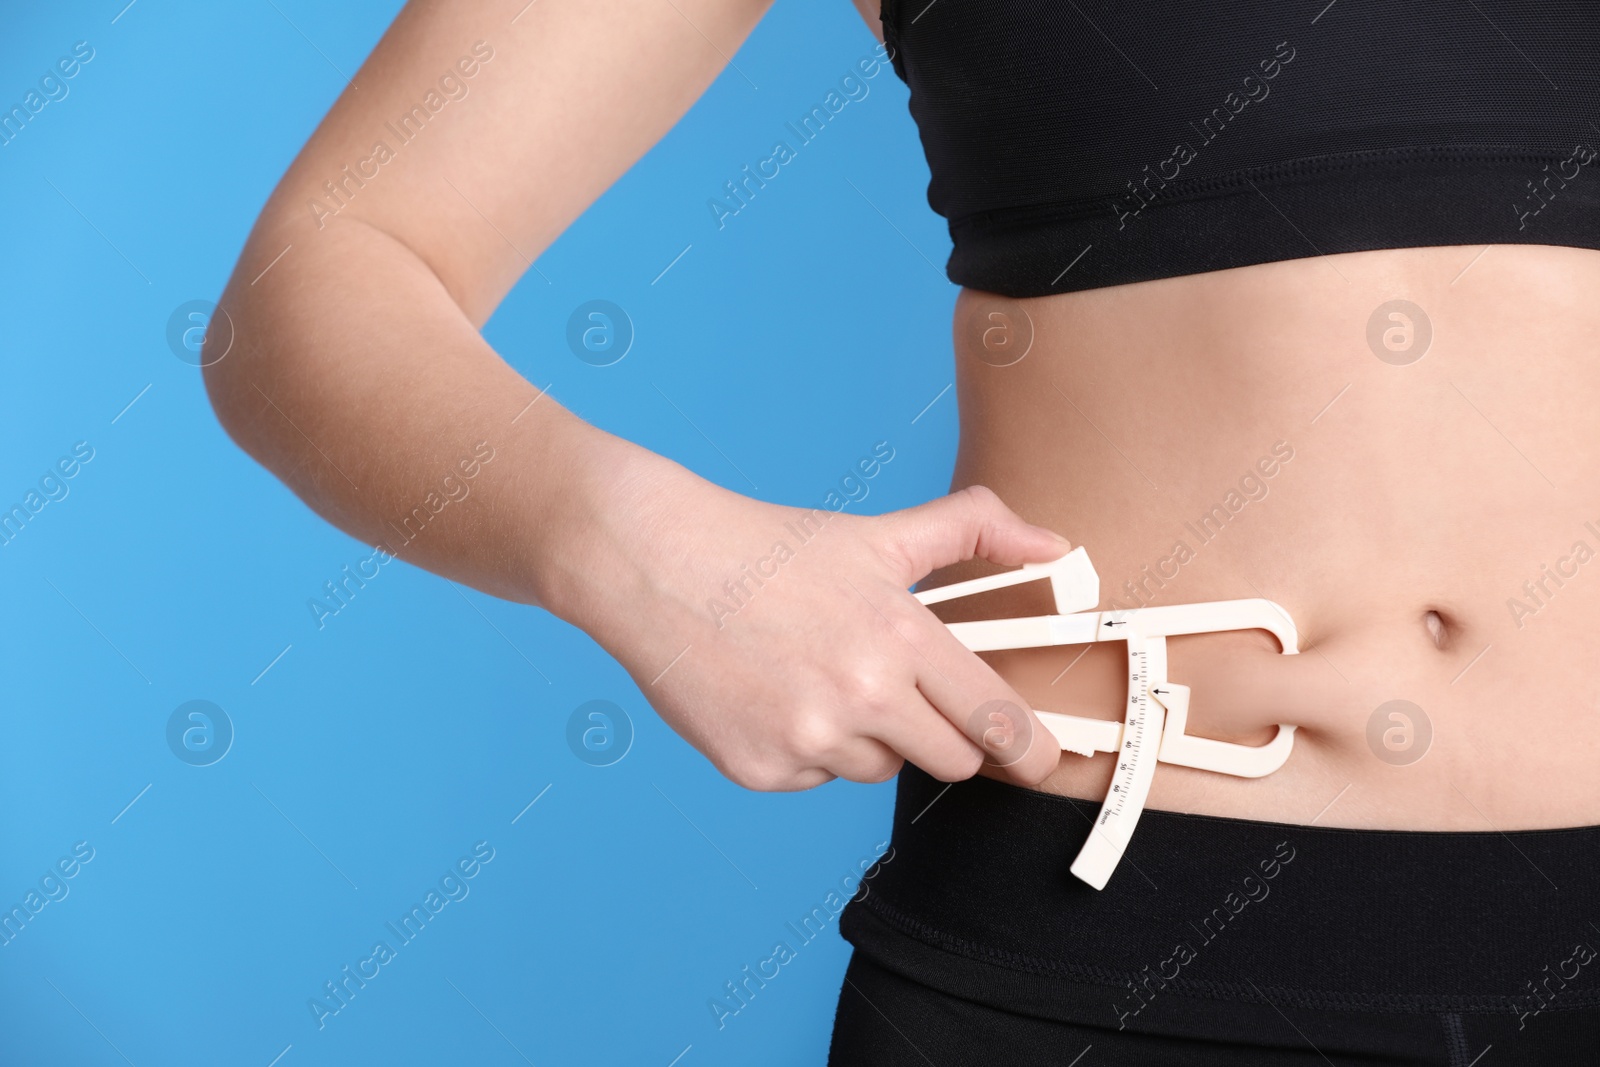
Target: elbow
[(234, 365), (221, 369), (238, 353)]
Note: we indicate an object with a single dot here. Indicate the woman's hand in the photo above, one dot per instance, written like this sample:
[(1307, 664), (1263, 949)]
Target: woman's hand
[(783, 643)]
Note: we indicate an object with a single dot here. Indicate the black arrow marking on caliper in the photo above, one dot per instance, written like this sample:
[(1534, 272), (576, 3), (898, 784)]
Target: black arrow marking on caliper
[(1122, 623)]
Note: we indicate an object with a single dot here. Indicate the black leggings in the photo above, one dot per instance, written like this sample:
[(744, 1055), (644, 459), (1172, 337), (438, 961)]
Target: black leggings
[(1217, 941)]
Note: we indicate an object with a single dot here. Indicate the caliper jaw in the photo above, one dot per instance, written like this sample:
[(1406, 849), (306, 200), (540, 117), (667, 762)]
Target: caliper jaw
[(1223, 757), (1085, 736), (1082, 735)]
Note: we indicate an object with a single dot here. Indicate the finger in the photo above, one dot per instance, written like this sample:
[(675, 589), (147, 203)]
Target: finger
[(971, 522), (918, 732), (980, 704), (775, 779), (809, 778), (865, 759)]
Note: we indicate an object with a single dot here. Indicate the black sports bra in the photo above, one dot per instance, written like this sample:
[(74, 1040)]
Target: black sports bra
[(1083, 143)]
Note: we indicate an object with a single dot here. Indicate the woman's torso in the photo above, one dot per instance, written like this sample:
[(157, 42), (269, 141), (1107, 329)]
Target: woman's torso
[(1272, 431), (1414, 490)]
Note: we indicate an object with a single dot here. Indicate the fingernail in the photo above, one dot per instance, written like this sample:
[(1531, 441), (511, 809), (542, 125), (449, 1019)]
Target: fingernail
[(1058, 537)]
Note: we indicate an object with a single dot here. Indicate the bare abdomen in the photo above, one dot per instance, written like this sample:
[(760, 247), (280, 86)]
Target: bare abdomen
[(1417, 483)]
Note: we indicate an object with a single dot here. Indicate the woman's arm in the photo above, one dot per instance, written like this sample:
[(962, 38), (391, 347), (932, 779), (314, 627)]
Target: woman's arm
[(469, 140), (357, 373)]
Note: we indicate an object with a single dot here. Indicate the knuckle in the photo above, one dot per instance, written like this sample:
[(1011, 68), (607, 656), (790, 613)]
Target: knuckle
[(906, 614), (891, 542), (868, 686), (981, 495), (810, 735), (984, 502)]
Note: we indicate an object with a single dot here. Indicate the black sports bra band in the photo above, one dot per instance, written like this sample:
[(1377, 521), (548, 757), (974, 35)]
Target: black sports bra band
[(1076, 145)]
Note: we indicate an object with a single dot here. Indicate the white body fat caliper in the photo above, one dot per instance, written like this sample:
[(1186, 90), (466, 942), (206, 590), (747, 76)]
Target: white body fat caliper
[(1153, 727)]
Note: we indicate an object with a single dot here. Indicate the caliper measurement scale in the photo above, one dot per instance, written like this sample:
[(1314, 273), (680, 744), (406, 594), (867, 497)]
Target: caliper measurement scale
[(1130, 785), (1153, 727)]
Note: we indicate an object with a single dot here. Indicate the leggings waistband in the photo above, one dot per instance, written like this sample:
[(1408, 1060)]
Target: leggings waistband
[(977, 885)]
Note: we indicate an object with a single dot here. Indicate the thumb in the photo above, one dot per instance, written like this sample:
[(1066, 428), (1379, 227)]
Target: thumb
[(972, 522)]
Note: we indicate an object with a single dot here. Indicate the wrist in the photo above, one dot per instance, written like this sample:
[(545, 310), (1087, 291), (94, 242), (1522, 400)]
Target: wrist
[(598, 522)]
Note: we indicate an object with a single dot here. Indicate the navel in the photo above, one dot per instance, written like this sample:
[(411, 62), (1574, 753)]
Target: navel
[(1437, 629)]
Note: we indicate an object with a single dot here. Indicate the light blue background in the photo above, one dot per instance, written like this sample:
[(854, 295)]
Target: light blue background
[(378, 750)]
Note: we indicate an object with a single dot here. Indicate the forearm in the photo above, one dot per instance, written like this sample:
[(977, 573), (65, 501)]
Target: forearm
[(356, 379)]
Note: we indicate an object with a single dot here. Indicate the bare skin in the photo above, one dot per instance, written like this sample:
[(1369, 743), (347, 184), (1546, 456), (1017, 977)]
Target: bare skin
[(357, 375), (1440, 486)]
